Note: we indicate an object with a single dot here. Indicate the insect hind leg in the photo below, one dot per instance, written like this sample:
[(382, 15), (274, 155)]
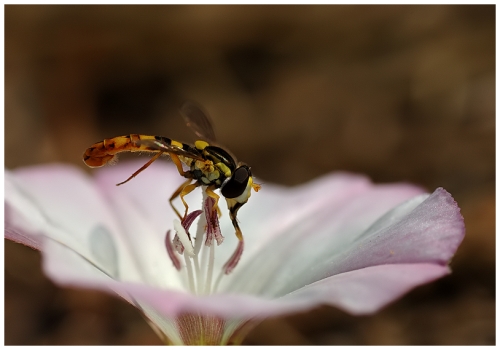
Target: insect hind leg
[(142, 168)]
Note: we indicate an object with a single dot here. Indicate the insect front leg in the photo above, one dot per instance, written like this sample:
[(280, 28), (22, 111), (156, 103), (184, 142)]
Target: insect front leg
[(234, 206), (210, 192)]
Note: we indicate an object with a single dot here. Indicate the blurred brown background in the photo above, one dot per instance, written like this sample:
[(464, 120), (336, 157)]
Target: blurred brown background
[(401, 93)]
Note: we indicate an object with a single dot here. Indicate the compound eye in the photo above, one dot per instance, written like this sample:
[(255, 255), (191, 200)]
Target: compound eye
[(235, 185)]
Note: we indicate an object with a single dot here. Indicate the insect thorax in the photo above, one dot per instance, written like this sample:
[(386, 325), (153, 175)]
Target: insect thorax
[(216, 167)]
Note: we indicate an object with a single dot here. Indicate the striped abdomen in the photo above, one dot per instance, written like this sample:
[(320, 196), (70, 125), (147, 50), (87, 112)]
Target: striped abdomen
[(103, 152)]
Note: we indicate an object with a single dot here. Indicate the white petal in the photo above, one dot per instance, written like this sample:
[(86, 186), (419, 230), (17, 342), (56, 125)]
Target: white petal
[(62, 203), (367, 290), (140, 204), (314, 239)]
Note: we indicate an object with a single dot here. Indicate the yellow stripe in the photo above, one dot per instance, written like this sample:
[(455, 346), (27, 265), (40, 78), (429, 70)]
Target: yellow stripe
[(223, 167), (176, 144), (200, 144)]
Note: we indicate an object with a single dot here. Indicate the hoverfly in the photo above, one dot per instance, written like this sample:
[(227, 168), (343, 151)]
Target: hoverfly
[(208, 165)]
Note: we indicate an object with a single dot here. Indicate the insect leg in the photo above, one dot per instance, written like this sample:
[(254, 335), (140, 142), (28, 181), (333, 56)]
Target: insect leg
[(142, 168), (210, 192), (234, 206), (178, 164), (176, 194), (185, 191)]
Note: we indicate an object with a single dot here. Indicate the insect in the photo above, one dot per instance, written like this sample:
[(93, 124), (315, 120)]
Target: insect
[(207, 165)]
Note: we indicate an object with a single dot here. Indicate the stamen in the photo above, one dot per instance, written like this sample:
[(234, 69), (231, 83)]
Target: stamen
[(210, 269), (213, 228), (171, 253), (190, 276), (200, 231), (230, 264), (179, 248), (186, 223), (184, 238), (200, 281), (233, 260), (199, 269), (204, 267), (197, 272)]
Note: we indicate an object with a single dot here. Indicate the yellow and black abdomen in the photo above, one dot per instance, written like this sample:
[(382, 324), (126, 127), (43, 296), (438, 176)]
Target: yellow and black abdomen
[(103, 152)]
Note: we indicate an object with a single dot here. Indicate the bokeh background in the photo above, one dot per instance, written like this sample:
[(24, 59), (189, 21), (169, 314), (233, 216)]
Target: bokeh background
[(400, 93)]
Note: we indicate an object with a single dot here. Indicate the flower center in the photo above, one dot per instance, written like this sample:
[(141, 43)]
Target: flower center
[(199, 258)]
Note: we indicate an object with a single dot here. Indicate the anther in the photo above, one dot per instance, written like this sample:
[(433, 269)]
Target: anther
[(171, 253), (184, 238), (213, 228)]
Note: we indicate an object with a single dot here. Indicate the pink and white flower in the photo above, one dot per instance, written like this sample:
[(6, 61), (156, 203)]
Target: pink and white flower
[(338, 240)]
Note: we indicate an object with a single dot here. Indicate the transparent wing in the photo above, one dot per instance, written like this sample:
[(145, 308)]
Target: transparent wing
[(165, 147), (198, 121)]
